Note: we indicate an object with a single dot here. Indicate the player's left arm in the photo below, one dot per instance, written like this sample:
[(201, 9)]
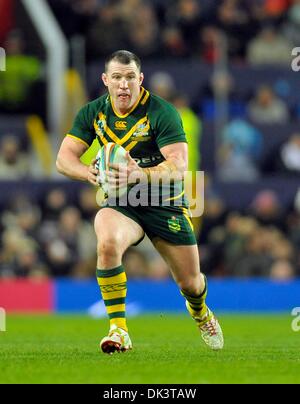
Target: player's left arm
[(175, 164)]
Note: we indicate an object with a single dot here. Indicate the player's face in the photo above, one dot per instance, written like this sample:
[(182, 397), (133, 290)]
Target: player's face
[(123, 83)]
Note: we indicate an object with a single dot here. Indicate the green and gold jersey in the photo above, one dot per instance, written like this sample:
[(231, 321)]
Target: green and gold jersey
[(151, 124)]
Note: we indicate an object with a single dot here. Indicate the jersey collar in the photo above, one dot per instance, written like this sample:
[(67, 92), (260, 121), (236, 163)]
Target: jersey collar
[(144, 94)]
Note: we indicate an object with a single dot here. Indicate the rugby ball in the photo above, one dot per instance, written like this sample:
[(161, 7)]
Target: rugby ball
[(111, 153)]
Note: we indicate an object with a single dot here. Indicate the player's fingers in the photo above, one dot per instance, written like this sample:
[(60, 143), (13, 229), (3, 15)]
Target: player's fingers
[(92, 179), (117, 181), (116, 185), (112, 174), (113, 184), (115, 167), (93, 170)]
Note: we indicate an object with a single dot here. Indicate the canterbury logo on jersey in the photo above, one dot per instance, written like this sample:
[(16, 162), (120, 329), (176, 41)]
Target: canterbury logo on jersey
[(121, 125), (113, 288)]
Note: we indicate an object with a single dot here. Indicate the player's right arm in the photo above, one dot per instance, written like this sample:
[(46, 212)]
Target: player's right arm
[(75, 144), (68, 161)]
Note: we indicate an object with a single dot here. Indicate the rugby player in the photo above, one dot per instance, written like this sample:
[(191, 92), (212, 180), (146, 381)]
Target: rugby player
[(151, 131)]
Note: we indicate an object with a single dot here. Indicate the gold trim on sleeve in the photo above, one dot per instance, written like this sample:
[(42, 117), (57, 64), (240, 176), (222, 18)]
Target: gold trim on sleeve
[(78, 139)]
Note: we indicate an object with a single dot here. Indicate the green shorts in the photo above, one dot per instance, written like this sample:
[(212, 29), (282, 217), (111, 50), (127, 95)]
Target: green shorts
[(170, 223)]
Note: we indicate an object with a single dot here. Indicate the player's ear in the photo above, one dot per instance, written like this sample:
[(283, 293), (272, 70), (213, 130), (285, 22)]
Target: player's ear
[(104, 79), (141, 78)]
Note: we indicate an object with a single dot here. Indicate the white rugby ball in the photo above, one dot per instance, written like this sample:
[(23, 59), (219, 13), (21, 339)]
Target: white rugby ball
[(111, 153)]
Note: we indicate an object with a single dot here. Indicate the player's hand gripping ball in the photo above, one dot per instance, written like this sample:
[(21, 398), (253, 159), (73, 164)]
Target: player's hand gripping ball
[(111, 153)]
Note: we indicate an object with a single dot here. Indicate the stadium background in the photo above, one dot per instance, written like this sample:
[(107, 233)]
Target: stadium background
[(226, 66)]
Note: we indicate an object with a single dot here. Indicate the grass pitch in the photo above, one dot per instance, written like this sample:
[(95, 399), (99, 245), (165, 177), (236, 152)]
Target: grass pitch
[(167, 349)]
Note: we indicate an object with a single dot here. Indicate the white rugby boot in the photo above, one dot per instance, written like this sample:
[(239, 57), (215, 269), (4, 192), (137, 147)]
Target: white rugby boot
[(118, 340), (209, 328)]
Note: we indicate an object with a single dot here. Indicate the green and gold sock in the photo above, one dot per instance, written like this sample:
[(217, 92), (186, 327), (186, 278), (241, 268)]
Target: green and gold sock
[(113, 286), (197, 306)]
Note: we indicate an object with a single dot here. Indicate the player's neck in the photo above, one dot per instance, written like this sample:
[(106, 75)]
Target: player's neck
[(122, 111)]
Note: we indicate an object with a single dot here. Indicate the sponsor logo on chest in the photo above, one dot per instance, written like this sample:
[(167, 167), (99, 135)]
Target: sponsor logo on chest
[(121, 125)]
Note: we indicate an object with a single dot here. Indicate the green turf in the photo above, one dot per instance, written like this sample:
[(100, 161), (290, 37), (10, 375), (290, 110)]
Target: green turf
[(167, 349)]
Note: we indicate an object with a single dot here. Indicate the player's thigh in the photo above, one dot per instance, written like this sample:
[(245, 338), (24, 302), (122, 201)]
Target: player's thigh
[(112, 226), (183, 260)]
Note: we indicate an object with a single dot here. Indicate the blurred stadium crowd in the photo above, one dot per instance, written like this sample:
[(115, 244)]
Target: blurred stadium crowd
[(184, 28), (52, 234)]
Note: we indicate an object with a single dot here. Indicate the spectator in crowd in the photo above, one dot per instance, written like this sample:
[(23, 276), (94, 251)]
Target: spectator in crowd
[(239, 152), (245, 248), (162, 84), (236, 25), (127, 7), (53, 204), (29, 220), (276, 8), (222, 86), (144, 39), (87, 203), (19, 255), (173, 44), (6, 18), (286, 160), (81, 13), (154, 266), (255, 259), (291, 27), (14, 164), (177, 28), (269, 48), (68, 243), (266, 251), (293, 223), (215, 210), (266, 108), (282, 270), (187, 17), (22, 73), (268, 11), (136, 264), (107, 33), (210, 42), (267, 209), (19, 246)]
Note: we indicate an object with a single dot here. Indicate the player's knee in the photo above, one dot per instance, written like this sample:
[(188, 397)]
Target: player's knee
[(109, 247)]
